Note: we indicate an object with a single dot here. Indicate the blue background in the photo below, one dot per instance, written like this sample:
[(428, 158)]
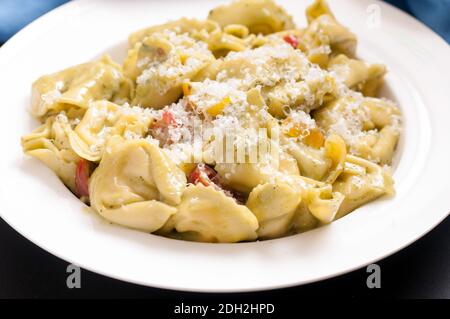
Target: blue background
[(15, 14)]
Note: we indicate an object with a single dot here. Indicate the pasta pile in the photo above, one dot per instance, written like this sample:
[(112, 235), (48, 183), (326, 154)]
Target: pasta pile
[(122, 137)]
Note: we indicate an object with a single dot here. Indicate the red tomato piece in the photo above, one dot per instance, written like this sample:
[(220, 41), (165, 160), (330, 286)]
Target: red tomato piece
[(207, 176), (169, 119), (82, 178), (291, 40), (203, 174)]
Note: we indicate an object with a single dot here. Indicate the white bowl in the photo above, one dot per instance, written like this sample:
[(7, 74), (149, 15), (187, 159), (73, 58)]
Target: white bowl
[(40, 207)]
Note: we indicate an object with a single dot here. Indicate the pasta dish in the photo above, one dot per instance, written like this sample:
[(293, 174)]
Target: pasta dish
[(238, 127)]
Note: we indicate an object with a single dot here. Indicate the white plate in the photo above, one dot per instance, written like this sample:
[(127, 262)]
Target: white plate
[(38, 206)]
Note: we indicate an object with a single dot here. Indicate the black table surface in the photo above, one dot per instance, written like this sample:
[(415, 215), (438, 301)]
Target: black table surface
[(421, 270)]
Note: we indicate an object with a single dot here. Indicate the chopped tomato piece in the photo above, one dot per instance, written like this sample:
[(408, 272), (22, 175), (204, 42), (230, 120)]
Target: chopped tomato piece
[(291, 40), (160, 129), (82, 178), (203, 174), (207, 176), (168, 119)]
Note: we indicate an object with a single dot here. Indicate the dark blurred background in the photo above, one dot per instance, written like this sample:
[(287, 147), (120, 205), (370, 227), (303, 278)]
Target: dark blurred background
[(421, 270)]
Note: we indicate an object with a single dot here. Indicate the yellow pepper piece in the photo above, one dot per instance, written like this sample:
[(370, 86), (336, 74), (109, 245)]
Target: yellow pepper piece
[(216, 109), (183, 58), (315, 138), (335, 148), (293, 131), (310, 136), (186, 86)]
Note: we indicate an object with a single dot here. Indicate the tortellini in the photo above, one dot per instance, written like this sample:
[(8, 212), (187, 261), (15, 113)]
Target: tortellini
[(50, 144), (310, 94), (323, 203), (230, 39), (246, 176), (325, 35), (318, 8), (259, 16), (323, 164), (214, 217), (362, 181), (369, 126), (238, 127), (102, 120), (274, 205), (198, 29), (161, 63), (358, 74), (78, 86), (130, 182)]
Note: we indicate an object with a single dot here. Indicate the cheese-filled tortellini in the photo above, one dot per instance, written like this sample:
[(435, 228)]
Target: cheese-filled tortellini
[(316, 9), (131, 181), (362, 181), (359, 75), (78, 86), (236, 127), (310, 93), (197, 29), (245, 176), (323, 203), (274, 205), (369, 126), (266, 65), (318, 157), (214, 217), (232, 39), (50, 144), (319, 206), (161, 63), (102, 120), (273, 165), (259, 16), (324, 35)]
